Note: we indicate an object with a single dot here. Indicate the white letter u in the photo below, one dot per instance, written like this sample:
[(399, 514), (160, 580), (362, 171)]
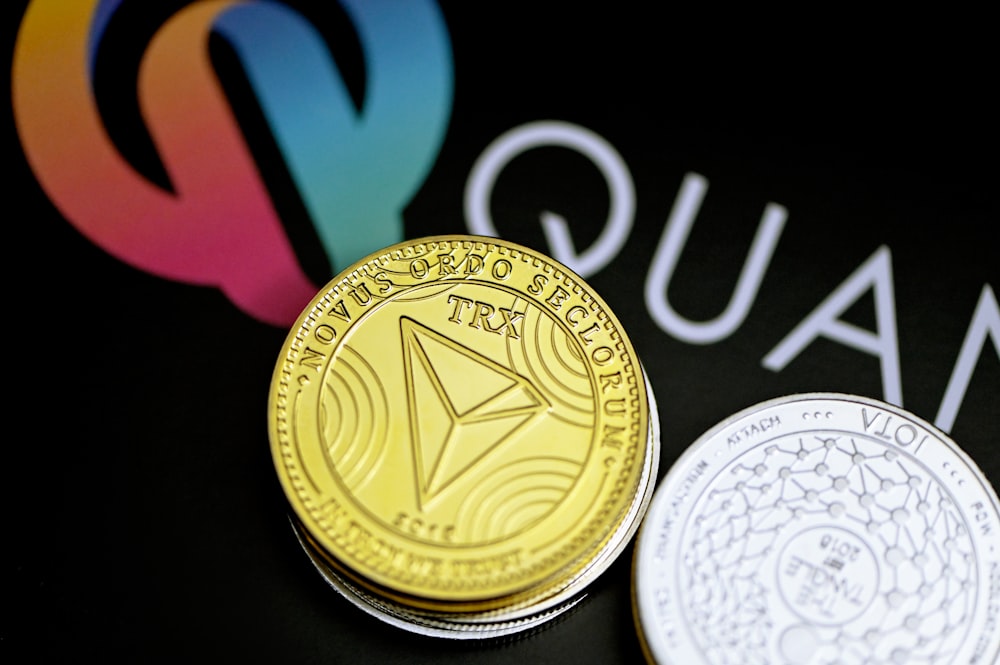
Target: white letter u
[(672, 242)]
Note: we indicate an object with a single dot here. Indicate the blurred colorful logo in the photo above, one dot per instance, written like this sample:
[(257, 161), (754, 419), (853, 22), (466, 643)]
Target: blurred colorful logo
[(216, 225)]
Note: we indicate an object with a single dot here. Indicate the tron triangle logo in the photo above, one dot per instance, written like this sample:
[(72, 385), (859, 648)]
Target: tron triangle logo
[(462, 406)]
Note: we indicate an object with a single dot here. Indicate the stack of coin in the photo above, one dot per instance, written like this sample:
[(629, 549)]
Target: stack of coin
[(465, 436), (820, 528)]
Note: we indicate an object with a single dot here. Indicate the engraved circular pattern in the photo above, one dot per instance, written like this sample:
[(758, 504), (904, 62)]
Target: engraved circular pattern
[(824, 477), (458, 419), (482, 402), (820, 529), (827, 575)]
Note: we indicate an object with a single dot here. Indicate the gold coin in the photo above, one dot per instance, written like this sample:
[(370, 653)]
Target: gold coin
[(459, 419), (505, 619)]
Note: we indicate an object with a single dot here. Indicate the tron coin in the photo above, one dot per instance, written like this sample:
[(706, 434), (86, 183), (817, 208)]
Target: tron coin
[(461, 426)]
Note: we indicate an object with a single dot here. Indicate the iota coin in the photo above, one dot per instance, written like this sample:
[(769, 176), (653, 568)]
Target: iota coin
[(460, 424), (820, 528)]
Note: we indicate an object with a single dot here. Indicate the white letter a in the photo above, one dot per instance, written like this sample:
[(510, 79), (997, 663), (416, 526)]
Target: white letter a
[(876, 274)]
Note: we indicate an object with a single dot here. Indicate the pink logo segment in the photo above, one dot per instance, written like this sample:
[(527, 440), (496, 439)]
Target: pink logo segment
[(218, 227)]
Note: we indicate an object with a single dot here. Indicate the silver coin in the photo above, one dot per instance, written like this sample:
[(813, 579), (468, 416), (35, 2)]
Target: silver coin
[(515, 618), (818, 529)]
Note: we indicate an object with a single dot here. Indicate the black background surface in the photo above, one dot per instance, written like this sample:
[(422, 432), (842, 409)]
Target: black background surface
[(143, 520)]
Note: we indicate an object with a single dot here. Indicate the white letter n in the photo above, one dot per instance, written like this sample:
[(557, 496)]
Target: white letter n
[(985, 323)]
